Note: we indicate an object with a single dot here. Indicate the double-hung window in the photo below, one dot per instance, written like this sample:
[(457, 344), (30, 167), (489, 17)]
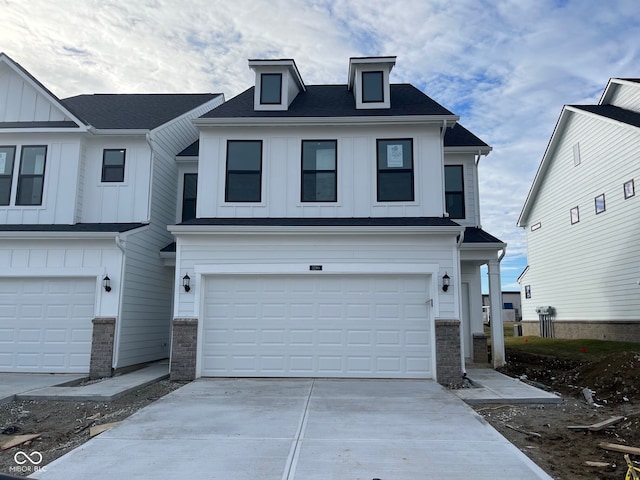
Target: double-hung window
[(395, 170), (271, 88), (244, 171), (113, 165), (189, 196), (7, 156), (372, 87), (31, 175), (454, 190), (319, 179)]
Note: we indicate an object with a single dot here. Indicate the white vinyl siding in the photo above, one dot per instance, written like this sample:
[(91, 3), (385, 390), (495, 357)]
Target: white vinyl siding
[(589, 270), (356, 166), (626, 97), (45, 324), (321, 325)]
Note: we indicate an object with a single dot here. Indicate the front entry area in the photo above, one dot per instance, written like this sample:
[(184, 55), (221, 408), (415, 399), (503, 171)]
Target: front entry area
[(317, 325)]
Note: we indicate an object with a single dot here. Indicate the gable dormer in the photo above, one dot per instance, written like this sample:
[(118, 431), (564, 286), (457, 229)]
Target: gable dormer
[(278, 82), (369, 81)]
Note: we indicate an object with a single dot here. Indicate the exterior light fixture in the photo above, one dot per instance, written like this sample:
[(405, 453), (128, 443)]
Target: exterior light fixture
[(106, 283), (186, 281), (446, 281)]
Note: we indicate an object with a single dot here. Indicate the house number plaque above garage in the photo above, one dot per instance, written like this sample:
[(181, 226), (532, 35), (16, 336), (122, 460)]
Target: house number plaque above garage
[(315, 267)]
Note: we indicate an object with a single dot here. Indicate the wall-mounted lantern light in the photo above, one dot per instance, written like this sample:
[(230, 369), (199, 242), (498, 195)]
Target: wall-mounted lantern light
[(186, 282), (446, 281), (106, 283)]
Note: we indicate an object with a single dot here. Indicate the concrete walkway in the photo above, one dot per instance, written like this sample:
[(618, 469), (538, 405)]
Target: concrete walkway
[(242, 429), (495, 388), (12, 384)]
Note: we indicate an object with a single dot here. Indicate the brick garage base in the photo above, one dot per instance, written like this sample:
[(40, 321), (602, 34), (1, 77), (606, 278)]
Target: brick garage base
[(448, 354), (480, 348), (183, 349), (101, 363), (616, 331)]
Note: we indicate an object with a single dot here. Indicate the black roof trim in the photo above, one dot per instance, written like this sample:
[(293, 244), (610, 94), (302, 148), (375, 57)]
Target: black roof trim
[(477, 235), (191, 151), (458, 136), (78, 227), (328, 222), (60, 124), (332, 101), (615, 113), (169, 248)]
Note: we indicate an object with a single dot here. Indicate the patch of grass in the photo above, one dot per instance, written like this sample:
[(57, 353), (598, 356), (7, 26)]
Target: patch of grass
[(572, 349), (507, 328)]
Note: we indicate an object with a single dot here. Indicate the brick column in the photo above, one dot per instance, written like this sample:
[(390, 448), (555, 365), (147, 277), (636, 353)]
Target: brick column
[(101, 363), (480, 349), (448, 354), (183, 349)]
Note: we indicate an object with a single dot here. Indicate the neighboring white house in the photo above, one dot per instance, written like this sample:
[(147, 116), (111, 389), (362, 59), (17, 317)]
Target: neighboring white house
[(511, 307), (330, 221), (582, 219), (87, 187)]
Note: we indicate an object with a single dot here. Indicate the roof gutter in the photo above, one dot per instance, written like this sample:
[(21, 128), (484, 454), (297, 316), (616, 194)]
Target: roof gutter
[(308, 229), (296, 121)]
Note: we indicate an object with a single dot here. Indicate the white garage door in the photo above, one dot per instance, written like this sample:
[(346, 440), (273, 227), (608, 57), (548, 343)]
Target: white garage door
[(317, 326), (45, 324)]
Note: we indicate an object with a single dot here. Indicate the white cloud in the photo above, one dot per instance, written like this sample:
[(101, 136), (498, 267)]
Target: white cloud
[(506, 67)]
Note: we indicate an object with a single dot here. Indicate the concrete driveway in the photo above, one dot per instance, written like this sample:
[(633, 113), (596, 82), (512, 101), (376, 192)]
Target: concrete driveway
[(300, 429)]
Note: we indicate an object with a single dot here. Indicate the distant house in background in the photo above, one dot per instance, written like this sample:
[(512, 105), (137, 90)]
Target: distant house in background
[(88, 185), (582, 219), (511, 307)]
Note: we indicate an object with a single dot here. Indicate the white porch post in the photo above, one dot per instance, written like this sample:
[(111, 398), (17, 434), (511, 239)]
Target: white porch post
[(495, 300)]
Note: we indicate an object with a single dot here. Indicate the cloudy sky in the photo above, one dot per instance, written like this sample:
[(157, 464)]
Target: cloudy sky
[(505, 66)]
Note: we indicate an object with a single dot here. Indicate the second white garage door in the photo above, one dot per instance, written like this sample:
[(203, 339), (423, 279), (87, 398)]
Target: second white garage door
[(45, 324), (317, 326)]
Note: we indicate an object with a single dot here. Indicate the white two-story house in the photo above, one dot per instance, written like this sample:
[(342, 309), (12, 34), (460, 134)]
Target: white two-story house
[(336, 233), (87, 187), (582, 219)]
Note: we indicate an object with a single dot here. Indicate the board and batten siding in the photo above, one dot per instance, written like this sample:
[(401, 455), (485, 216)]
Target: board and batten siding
[(587, 271), (199, 251), (356, 172), (22, 102), (145, 329), (470, 178), (60, 180), (66, 258), (118, 202)]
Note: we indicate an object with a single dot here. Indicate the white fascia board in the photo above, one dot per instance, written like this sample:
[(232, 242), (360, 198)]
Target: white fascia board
[(297, 121), (482, 150), (43, 235), (121, 131), (184, 159), (79, 129), (311, 229), (483, 246)]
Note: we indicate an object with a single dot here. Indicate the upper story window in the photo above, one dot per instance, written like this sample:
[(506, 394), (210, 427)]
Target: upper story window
[(319, 178), (113, 165), (189, 196), (395, 170), (244, 171), (7, 156), (454, 190), (31, 175), (372, 87), (271, 88)]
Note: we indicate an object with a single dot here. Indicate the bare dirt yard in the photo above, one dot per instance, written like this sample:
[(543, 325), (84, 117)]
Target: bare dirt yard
[(547, 440), (542, 431), (62, 426)]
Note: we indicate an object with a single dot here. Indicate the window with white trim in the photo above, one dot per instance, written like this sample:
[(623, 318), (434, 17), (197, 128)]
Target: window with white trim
[(31, 175)]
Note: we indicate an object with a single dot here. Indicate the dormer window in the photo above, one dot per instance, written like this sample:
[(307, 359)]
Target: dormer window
[(271, 89), (369, 81), (372, 87)]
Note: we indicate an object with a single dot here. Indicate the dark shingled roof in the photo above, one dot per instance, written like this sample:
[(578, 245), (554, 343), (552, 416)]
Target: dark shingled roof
[(333, 101), (615, 113), (170, 248), (637, 80), (477, 235), (458, 136), (327, 222), (78, 227), (134, 111), (191, 151)]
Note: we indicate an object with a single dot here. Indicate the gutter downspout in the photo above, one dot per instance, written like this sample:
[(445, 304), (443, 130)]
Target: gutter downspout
[(443, 131), (477, 192), (147, 137), (120, 243)]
